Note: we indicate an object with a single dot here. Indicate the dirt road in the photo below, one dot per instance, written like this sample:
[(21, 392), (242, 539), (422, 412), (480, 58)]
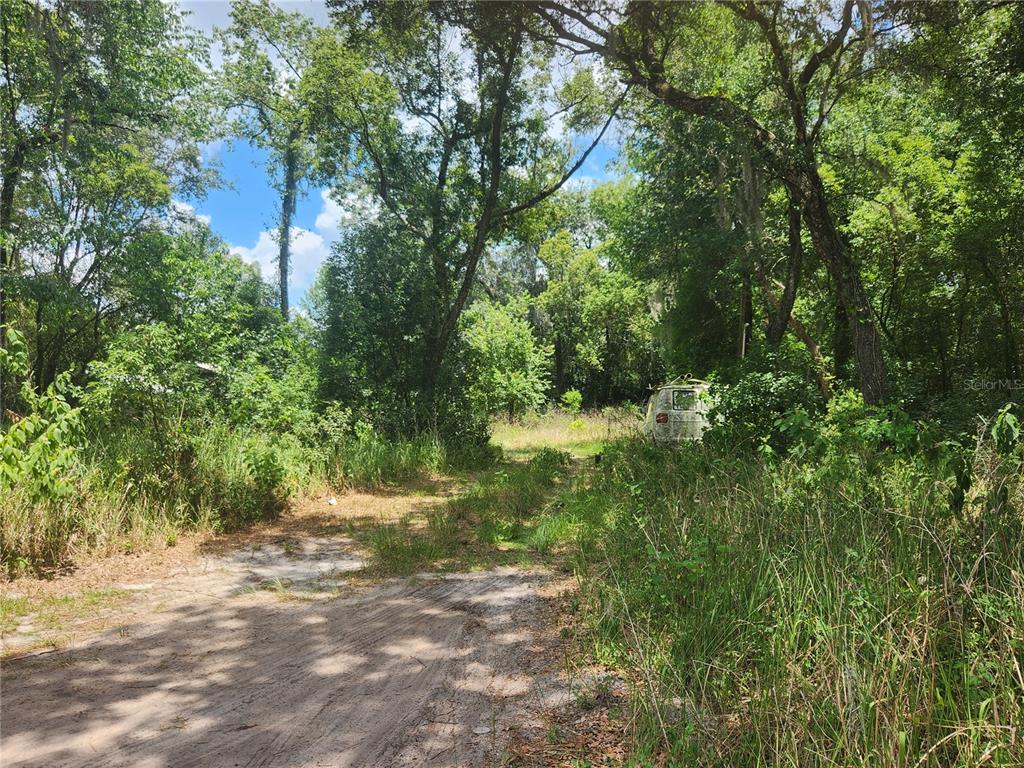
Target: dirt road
[(264, 658)]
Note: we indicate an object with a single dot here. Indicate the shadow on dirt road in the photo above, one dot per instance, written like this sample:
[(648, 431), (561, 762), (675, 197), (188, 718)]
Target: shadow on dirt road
[(431, 671)]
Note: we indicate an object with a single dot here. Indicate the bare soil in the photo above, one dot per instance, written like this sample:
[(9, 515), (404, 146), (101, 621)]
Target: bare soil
[(270, 654)]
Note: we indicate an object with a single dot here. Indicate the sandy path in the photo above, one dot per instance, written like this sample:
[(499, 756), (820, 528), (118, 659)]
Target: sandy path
[(429, 671)]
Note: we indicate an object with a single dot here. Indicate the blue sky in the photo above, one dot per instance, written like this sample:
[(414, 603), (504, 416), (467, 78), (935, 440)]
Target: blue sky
[(244, 211)]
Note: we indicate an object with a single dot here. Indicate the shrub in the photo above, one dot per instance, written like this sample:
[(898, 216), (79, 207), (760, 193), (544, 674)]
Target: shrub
[(143, 384), (507, 368), (273, 387), (572, 401), (747, 414), (38, 451), (237, 478)]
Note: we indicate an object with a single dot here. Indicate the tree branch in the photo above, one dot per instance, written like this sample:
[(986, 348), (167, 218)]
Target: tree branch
[(383, 188), (831, 47), (546, 193)]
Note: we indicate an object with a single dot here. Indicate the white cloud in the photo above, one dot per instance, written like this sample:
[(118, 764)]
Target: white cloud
[(331, 213), (308, 252), (187, 210), (210, 150), (353, 207), (309, 248)]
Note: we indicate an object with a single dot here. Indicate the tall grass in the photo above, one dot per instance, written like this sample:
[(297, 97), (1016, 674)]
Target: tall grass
[(858, 610), (374, 461), (126, 494), (130, 491)]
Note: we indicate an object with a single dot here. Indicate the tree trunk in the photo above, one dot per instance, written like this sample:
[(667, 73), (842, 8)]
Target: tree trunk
[(1010, 356), (287, 211), (784, 307), (431, 376), (7, 186), (745, 335), (559, 365), (867, 344), (608, 363), (800, 331), (439, 336), (40, 348)]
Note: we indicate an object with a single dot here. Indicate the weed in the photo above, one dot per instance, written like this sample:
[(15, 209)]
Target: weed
[(12, 609), (128, 494), (51, 614)]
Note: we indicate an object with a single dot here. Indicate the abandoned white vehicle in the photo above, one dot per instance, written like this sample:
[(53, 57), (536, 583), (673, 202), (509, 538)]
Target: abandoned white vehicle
[(678, 411)]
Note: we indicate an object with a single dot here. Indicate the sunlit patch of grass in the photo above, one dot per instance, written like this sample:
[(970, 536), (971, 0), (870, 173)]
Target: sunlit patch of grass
[(49, 614), (11, 611), (581, 435), (489, 523), (399, 550), (552, 531), (377, 462)]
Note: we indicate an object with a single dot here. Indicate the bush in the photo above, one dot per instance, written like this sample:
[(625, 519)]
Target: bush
[(747, 414), (237, 477), (273, 387), (507, 369), (143, 384), (38, 451)]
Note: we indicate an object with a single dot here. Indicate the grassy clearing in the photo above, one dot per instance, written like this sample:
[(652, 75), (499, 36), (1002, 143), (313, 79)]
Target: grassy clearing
[(490, 522), (502, 516), (581, 435)]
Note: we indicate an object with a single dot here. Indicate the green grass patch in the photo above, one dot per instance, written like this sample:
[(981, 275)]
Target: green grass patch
[(490, 522), (581, 435), (11, 611)]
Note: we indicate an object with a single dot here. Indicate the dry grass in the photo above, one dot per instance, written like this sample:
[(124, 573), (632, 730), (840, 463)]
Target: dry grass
[(51, 620), (581, 435), (70, 599)]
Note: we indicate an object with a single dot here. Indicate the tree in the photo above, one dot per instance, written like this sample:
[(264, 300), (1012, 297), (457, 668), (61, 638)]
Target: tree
[(290, 83), (507, 367), (91, 234), (78, 72), (372, 304), (808, 60), (466, 148), (601, 328)]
